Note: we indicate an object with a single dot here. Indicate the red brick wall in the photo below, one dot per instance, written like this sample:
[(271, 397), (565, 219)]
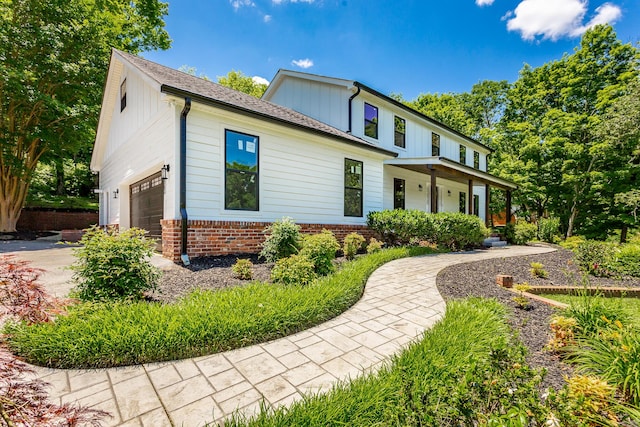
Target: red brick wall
[(205, 238), (41, 220)]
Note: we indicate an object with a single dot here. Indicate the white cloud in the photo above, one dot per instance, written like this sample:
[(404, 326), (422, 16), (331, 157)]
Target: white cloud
[(266, 18), (237, 4), (260, 80), (484, 2), (553, 19), (302, 63)]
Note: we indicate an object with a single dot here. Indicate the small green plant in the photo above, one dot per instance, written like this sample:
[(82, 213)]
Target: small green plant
[(522, 302), (243, 269), (591, 397), (321, 249), (283, 239), (548, 229), (524, 232), (564, 332), (112, 265), (293, 270), (537, 270), (353, 242), (374, 245)]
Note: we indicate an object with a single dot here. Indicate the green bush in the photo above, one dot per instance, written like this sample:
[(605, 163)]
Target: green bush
[(283, 239), (593, 314), (203, 322), (572, 242), (321, 249), (374, 245), (293, 270), (627, 260), (596, 257), (243, 269), (353, 242), (451, 230), (548, 229), (524, 232), (113, 265)]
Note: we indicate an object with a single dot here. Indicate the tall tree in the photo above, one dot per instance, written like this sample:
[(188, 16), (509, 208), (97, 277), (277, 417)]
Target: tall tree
[(549, 139), (53, 61)]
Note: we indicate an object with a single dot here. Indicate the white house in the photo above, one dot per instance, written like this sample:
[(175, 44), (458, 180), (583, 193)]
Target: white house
[(205, 168)]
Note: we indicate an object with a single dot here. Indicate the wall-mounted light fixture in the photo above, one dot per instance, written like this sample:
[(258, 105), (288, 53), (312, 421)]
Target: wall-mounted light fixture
[(419, 187), (115, 193), (449, 193), (165, 172)]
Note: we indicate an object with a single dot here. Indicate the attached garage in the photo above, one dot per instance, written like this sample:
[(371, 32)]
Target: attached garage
[(147, 205)]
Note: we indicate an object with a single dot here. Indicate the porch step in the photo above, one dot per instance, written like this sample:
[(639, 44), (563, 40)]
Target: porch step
[(493, 242)]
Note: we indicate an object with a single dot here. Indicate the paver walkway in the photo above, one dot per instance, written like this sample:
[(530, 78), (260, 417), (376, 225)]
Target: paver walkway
[(399, 303)]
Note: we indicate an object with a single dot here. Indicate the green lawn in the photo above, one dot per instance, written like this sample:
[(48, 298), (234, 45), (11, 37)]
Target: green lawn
[(631, 306)]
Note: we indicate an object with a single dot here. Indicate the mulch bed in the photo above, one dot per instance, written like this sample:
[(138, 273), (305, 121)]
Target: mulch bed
[(459, 281)]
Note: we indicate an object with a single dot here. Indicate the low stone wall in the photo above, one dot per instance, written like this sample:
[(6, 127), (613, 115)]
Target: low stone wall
[(50, 219), (212, 238)]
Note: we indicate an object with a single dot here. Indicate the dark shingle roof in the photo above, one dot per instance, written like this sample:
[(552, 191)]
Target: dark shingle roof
[(182, 84)]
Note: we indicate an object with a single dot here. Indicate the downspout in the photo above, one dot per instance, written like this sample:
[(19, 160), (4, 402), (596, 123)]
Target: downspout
[(351, 107), (183, 181)]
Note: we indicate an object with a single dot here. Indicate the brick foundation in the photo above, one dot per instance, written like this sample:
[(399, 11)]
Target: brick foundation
[(212, 238)]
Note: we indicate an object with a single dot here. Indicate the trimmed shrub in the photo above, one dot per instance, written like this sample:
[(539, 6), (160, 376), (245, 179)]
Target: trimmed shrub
[(283, 239), (374, 245), (353, 242), (452, 230), (572, 242), (548, 229), (524, 232), (114, 265), (596, 257), (242, 269), (321, 249), (627, 260), (293, 270)]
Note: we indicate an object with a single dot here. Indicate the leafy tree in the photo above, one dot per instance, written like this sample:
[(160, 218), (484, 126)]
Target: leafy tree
[(239, 81), (53, 62)]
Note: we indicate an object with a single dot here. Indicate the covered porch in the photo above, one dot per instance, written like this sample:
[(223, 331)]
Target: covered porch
[(436, 168)]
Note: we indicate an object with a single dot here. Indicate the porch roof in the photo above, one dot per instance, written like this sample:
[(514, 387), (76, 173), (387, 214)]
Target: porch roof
[(448, 169)]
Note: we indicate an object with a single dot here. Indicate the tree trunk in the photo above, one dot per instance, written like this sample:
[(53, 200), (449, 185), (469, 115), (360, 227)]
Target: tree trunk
[(572, 217), (59, 167), (13, 193), (623, 233)]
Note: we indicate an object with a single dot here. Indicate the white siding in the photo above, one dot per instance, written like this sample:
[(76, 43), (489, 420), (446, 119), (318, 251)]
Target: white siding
[(300, 175), (325, 102), (141, 139)]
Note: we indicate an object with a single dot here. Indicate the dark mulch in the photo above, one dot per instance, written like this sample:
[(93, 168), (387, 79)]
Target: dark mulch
[(479, 279), (24, 235)]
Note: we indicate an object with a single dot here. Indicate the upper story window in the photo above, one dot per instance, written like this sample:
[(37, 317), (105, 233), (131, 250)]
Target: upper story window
[(476, 160), (123, 94), (398, 193), (463, 154), (400, 131), (435, 144), (241, 171), (370, 121), (353, 183)]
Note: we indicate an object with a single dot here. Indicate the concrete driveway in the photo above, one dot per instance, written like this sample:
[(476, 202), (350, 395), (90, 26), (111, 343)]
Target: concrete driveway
[(53, 258)]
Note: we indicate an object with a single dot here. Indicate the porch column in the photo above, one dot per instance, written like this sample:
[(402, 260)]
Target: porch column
[(508, 213), (470, 196), (487, 196), (434, 192)]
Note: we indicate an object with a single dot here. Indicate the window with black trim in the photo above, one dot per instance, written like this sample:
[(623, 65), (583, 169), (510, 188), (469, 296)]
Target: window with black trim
[(435, 144), (370, 121), (353, 183), (463, 154), (398, 193), (123, 95), (476, 205), (400, 126), (476, 160), (463, 202), (241, 171)]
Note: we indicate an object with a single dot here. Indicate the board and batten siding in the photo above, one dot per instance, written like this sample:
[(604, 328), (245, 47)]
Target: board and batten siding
[(325, 102), (300, 175), (141, 139)]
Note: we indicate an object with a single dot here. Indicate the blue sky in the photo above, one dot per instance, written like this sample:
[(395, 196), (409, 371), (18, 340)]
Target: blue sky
[(408, 47)]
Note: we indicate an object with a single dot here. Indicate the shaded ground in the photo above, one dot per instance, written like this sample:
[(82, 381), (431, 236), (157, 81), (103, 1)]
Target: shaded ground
[(24, 235), (479, 279)]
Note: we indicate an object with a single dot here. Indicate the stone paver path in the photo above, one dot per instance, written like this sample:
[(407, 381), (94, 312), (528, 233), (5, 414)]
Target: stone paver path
[(399, 303)]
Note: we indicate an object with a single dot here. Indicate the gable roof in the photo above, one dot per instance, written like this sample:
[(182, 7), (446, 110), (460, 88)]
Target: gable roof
[(283, 73), (177, 83)]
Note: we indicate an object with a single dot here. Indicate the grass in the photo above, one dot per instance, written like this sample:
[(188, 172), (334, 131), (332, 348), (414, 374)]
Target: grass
[(62, 202), (629, 306), (466, 369), (204, 322)]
